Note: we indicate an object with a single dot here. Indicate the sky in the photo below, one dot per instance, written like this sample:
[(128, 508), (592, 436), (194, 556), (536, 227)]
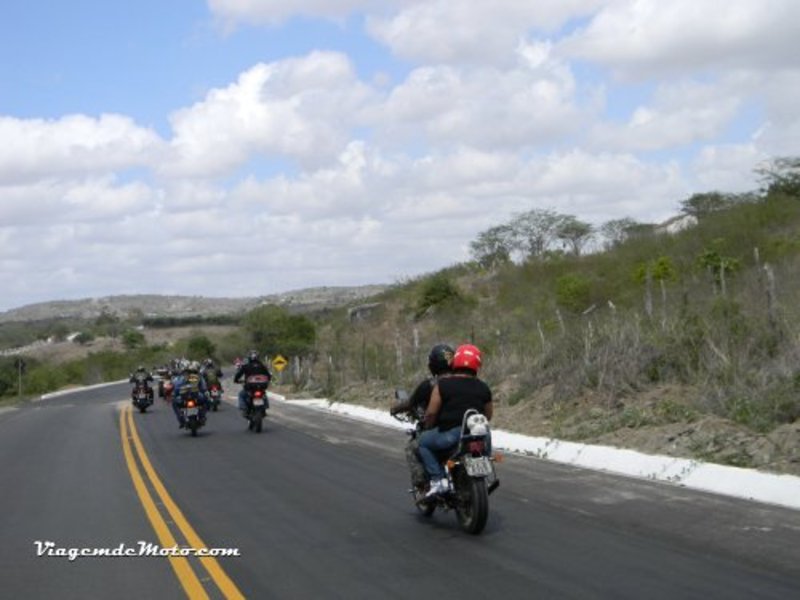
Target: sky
[(249, 147)]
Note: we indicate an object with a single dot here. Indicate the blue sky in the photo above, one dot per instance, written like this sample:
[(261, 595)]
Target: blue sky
[(346, 142), (148, 58)]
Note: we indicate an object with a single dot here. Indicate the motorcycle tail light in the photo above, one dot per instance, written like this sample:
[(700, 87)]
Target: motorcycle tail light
[(259, 393), (476, 447), (190, 403), (451, 464)]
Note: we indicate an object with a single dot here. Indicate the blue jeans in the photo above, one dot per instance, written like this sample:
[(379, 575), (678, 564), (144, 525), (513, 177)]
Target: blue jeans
[(433, 440)]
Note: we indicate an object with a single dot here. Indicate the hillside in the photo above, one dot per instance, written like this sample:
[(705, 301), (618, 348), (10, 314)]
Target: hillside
[(122, 306), (684, 343)]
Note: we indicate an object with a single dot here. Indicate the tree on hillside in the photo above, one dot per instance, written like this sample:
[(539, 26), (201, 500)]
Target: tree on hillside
[(535, 230), (107, 323), (438, 291), (133, 339), (717, 264), (573, 233), (273, 330), (702, 205), (493, 246), (781, 175), (199, 347), (617, 231)]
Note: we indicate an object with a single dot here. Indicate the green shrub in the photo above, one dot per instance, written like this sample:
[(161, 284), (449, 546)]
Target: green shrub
[(573, 292), (437, 290)]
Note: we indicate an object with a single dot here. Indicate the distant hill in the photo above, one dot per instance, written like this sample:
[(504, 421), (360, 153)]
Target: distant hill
[(150, 305)]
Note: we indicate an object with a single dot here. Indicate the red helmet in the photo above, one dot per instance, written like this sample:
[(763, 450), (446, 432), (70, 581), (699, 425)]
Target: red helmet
[(467, 356)]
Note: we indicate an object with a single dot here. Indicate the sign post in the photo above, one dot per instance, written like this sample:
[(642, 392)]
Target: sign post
[(20, 364), (279, 363)]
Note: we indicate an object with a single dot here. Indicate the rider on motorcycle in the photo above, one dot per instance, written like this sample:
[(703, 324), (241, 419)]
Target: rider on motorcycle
[(189, 381), (211, 373), (253, 366), (141, 377), (451, 397), (439, 360)]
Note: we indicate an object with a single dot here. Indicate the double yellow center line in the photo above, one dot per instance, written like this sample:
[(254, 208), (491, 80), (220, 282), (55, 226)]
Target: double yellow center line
[(132, 447)]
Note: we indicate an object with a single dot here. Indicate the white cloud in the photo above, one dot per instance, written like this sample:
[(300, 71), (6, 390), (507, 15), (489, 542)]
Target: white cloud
[(273, 12), (780, 94), (533, 103), (727, 168), (678, 115), (74, 144), (53, 202), (443, 31), (299, 108), (649, 38)]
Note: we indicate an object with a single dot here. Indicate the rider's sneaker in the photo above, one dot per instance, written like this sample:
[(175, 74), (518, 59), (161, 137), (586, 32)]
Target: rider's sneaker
[(438, 486)]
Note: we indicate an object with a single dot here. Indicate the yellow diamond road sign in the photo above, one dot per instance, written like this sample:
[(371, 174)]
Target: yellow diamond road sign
[(279, 363)]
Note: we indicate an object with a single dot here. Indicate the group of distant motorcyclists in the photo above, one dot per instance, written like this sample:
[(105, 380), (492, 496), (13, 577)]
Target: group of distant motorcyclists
[(439, 402), (182, 379)]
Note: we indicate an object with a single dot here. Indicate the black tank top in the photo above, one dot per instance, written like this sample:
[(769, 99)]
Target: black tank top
[(459, 394)]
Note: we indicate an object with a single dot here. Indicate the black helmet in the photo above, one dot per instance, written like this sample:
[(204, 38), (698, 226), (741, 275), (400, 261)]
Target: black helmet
[(252, 356), (439, 359)]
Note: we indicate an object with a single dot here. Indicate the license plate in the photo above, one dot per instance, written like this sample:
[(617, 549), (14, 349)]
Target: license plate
[(479, 466), (191, 411), (258, 402)]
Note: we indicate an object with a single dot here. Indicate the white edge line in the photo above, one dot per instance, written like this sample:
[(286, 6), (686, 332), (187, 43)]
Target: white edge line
[(748, 484)]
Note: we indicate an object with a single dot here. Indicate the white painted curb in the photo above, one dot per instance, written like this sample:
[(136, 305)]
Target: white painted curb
[(79, 389), (749, 484)]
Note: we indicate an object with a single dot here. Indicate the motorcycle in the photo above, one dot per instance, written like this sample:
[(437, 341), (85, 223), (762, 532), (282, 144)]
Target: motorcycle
[(163, 378), (167, 387), (257, 401), (142, 397), (469, 468), (193, 412), (215, 395)]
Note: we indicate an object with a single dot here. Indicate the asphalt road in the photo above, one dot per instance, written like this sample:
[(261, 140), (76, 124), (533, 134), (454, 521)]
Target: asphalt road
[(316, 507)]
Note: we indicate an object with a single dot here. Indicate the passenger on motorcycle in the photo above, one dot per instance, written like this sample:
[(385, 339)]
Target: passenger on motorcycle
[(439, 360), (253, 366), (189, 381), (211, 373), (141, 376), (451, 397)]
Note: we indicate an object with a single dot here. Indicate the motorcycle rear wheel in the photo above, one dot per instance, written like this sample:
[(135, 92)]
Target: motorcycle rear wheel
[(472, 504)]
